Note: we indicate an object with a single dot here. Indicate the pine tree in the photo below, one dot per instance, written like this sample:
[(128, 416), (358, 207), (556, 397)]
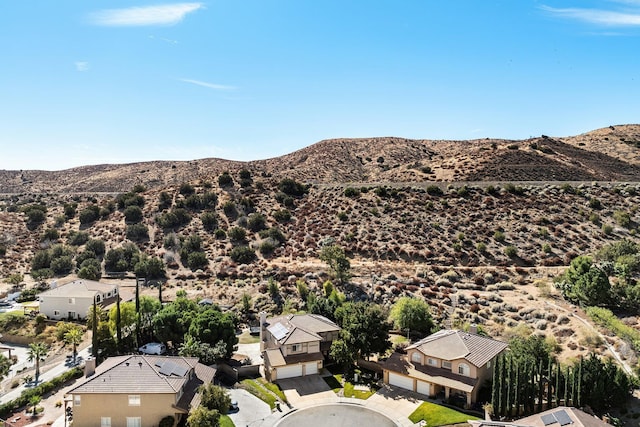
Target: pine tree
[(509, 386), (94, 330), (540, 386), (118, 325)]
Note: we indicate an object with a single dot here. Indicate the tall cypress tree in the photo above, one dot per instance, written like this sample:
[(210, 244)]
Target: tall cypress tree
[(118, 324), (579, 391), (94, 330), (509, 386), (549, 387), (557, 384), (540, 386), (566, 387), (495, 384), (516, 397)]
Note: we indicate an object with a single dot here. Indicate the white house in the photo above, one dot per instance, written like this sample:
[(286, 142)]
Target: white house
[(73, 300)]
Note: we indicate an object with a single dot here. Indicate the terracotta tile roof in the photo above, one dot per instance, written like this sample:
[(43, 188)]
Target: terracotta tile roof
[(79, 288), (398, 363), (140, 374), (452, 344)]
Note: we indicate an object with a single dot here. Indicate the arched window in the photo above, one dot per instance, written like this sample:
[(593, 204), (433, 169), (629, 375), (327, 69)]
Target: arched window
[(463, 369), (416, 357)]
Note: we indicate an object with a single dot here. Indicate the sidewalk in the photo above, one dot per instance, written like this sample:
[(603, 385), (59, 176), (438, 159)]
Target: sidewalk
[(47, 375)]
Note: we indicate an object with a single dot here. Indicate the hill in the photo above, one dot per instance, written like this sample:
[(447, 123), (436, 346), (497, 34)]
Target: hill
[(478, 228), (608, 154)]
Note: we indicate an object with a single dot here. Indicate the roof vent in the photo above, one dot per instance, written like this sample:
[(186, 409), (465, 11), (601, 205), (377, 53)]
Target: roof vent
[(140, 364), (126, 363)]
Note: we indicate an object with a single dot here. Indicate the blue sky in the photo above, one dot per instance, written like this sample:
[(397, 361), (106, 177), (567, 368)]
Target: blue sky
[(90, 82)]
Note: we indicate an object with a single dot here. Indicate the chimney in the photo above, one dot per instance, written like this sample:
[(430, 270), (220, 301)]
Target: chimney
[(90, 367), (473, 329)]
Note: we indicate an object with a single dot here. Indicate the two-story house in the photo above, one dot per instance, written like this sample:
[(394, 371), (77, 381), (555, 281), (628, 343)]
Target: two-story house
[(296, 344), (73, 300), (448, 363), (139, 391)]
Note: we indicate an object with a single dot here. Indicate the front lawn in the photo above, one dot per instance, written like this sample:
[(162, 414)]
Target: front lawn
[(225, 421), (335, 382), (436, 415), (264, 390)]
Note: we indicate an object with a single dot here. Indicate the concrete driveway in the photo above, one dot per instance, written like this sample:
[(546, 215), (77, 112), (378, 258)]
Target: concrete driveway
[(250, 408), (306, 391)]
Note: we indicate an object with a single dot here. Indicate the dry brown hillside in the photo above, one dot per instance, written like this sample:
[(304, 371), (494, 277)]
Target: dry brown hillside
[(608, 154), (477, 228)]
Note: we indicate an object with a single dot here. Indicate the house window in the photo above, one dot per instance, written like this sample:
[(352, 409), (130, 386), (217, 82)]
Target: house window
[(446, 364), (98, 298), (105, 421), (56, 313), (72, 300), (134, 422), (463, 369), (296, 348), (415, 357), (432, 362), (489, 364), (134, 400), (76, 400)]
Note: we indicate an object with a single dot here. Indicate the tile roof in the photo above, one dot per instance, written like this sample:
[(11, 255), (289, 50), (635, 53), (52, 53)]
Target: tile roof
[(139, 374), (299, 328), (453, 344), (79, 288), (399, 363), (577, 417), (275, 358)]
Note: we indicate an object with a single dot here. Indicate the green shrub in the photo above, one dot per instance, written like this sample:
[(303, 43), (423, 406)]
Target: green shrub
[(510, 251), (434, 190), (481, 247), (238, 234), (225, 180), (282, 215), (499, 236), (292, 188), (351, 192), (242, 254)]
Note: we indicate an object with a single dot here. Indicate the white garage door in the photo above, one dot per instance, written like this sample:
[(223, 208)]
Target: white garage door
[(401, 381), (289, 372), (311, 368), (424, 388)]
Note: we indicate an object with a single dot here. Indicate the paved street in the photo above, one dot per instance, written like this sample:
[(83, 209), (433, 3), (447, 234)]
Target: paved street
[(250, 408)]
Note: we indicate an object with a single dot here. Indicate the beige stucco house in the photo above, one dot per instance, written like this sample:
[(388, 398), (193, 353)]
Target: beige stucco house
[(448, 363), (73, 300), (296, 344), (139, 391)]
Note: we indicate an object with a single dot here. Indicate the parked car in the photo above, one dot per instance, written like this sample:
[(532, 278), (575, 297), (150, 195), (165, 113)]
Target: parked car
[(153, 348)]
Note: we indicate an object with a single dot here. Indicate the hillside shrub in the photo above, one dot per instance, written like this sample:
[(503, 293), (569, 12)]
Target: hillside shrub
[(137, 232), (292, 188), (434, 190), (242, 254), (282, 215), (225, 180), (351, 192)]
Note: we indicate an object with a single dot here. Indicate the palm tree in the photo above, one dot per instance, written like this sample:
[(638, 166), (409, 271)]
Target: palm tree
[(37, 352), (34, 401), (74, 337)]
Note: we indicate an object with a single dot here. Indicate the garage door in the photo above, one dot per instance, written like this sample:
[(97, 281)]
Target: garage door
[(311, 368), (289, 372), (401, 381), (424, 388)]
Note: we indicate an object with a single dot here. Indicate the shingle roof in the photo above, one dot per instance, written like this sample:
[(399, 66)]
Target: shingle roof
[(452, 344), (139, 374), (79, 288)]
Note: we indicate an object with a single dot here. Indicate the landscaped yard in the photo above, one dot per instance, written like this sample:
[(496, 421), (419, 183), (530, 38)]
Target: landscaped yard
[(335, 382), (436, 415), (246, 338), (264, 390), (225, 421)]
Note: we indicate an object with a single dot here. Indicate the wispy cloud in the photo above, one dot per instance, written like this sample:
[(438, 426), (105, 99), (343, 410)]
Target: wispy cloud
[(611, 18), (170, 41), (208, 85), (168, 14), (82, 66)]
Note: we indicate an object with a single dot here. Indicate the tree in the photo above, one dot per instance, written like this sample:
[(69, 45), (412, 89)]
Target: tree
[(37, 353), (149, 307), (413, 314), (74, 337), (5, 366), (122, 322), (173, 320), (212, 326), (342, 353), (215, 397), (35, 401), (365, 329), (585, 283), (335, 257), (203, 417)]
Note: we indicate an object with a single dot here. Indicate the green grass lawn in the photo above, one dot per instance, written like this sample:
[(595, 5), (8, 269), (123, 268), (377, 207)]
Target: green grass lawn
[(335, 382), (436, 415), (246, 338), (264, 391), (225, 421)]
